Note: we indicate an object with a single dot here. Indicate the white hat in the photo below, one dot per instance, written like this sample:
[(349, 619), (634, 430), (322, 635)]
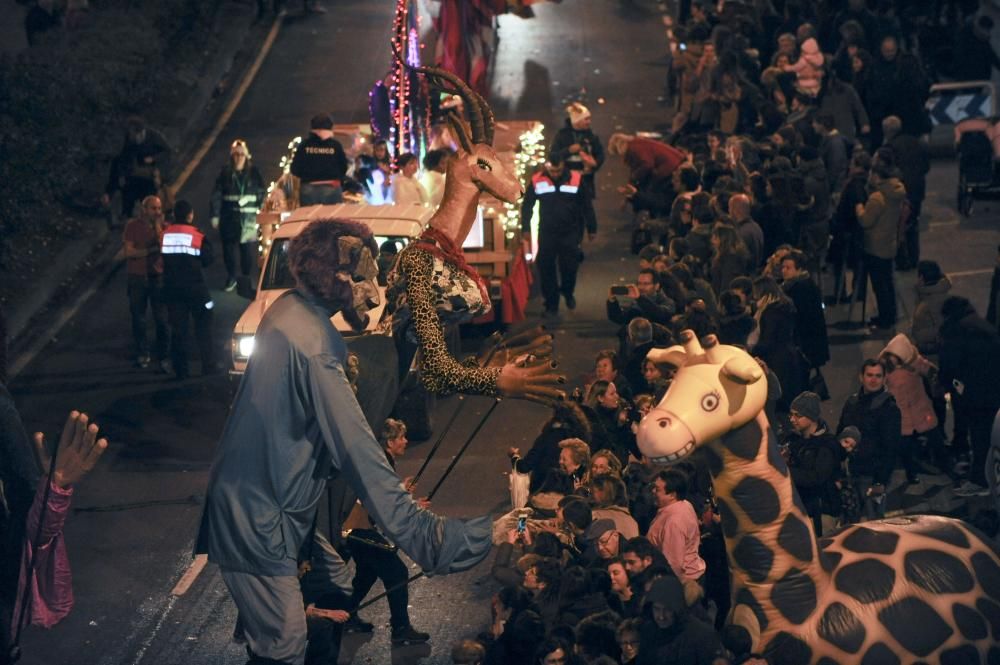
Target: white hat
[(577, 112)]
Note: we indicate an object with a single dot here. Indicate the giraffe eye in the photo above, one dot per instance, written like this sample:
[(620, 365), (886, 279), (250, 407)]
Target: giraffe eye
[(484, 165), (710, 402), (663, 423)]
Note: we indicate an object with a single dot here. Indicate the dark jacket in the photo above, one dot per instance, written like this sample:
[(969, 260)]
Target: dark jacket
[(880, 219), (727, 267), (817, 187), (567, 422), (658, 308), (237, 197), (736, 329), (687, 642), (589, 143), (778, 348), (318, 159), (927, 317), (560, 207), (608, 433), (814, 463), (185, 251), (810, 322), (877, 417), (970, 353)]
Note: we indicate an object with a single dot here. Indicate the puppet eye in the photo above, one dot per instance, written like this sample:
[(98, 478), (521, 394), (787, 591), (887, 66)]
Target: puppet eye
[(663, 423), (710, 402), (484, 165)]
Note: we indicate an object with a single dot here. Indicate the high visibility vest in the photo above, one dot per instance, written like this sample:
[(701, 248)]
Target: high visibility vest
[(182, 239), (543, 184)]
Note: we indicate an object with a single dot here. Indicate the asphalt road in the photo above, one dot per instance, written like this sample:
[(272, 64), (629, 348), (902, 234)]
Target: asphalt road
[(134, 520)]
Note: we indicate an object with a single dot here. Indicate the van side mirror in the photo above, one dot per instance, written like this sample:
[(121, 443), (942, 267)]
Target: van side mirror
[(245, 287)]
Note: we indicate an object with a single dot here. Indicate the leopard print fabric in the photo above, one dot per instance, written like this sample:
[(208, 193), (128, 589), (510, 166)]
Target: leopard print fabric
[(431, 291)]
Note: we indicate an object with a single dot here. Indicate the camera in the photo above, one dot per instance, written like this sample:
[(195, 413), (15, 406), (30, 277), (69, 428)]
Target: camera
[(618, 290)]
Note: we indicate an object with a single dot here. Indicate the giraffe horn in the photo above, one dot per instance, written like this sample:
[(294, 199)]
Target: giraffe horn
[(472, 100)]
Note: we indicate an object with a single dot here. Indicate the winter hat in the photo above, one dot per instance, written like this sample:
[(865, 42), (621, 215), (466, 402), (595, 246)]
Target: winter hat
[(598, 528), (577, 112), (850, 432), (807, 404)]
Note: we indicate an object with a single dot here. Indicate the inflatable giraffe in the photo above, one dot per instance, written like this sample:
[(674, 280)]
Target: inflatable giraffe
[(915, 589)]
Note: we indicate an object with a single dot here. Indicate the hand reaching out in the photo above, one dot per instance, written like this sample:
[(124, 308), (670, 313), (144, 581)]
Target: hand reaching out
[(337, 616), (79, 450)]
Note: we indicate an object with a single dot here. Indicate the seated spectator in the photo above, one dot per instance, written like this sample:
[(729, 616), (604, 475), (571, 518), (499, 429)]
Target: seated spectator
[(517, 643), (656, 377), (605, 462), (611, 502), (600, 541), (509, 570), (567, 422), (555, 485), (608, 367), (814, 456), (574, 461), (608, 420), (669, 634), (628, 639), (542, 580), (638, 341)]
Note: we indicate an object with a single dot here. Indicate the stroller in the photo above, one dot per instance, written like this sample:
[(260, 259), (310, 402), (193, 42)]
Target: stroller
[(978, 144)]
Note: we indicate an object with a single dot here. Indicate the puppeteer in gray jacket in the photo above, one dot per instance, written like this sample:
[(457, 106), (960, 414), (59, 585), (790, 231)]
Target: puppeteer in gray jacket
[(294, 420)]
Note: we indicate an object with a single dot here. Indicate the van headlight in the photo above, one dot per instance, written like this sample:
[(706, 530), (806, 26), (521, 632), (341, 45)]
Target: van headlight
[(242, 346)]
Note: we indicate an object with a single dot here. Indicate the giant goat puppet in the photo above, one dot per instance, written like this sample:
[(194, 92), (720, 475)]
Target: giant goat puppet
[(904, 590), (432, 285)]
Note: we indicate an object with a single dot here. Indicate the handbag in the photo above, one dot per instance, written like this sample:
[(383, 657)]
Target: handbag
[(817, 384), (519, 484)]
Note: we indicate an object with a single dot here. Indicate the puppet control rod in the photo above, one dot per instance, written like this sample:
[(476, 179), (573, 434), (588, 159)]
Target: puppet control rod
[(447, 471)]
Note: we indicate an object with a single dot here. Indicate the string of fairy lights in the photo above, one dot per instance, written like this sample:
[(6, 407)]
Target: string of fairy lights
[(527, 160)]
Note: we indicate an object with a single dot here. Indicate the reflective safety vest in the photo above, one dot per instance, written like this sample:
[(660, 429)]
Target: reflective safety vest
[(182, 239), (543, 184)]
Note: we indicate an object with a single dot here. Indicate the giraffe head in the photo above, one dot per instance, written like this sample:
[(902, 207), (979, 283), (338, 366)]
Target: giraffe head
[(717, 388)]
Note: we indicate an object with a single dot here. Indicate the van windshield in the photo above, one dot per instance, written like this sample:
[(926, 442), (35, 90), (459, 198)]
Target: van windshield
[(278, 276)]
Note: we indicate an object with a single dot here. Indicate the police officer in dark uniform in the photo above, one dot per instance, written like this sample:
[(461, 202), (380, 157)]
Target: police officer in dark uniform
[(320, 164), (562, 201), (185, 252)]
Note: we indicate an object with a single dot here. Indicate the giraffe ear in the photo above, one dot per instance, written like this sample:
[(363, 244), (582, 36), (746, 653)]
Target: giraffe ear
[(461, 132), (743, 370), (674, 355)]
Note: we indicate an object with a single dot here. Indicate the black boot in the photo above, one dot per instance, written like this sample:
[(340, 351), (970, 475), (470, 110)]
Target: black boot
[(409, 635)]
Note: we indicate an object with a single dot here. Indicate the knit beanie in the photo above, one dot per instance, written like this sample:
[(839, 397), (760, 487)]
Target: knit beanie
[(850, 432), (807, 404)]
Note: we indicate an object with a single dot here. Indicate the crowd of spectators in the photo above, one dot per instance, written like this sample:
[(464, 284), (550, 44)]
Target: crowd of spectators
[(794, 174)]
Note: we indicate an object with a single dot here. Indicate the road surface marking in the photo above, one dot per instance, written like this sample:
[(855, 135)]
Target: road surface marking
[(190, 575), (970, 273), (231, 107)]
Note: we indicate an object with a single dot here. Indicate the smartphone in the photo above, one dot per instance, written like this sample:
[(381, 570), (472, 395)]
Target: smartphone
[(683, 46), (619, 290), (522, 523)]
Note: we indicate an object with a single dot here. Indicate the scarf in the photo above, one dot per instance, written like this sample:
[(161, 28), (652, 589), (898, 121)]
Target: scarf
[(438, 244)]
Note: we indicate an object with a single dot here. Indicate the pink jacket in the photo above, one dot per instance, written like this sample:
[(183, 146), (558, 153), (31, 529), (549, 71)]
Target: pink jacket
[(906, 385), (52, 581)]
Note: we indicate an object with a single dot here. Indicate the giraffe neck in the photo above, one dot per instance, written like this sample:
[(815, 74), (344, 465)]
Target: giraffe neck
[(769, 537)]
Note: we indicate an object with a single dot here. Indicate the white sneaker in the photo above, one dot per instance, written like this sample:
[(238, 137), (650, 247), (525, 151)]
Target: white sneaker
[(969, 488)]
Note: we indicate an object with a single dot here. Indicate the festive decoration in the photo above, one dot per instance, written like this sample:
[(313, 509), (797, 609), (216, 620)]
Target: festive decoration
[(915, 588), (406, 91), (526, 161)]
